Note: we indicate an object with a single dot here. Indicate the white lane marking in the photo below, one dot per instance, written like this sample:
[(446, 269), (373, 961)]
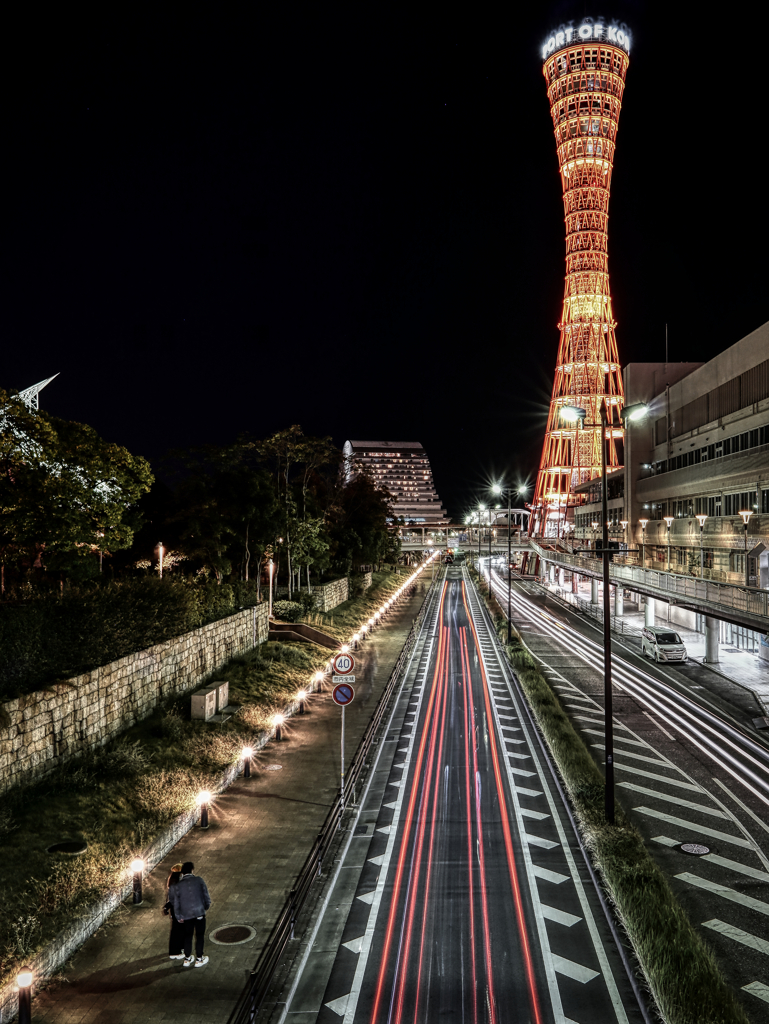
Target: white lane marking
[(574, 971), (757, 988), (527, 792), (391, 806), (692, 826), (739, 802), (367, 897), (509, 739), (549, 876), (401, 765), (734, 865), (353, 945), (398, 785), (657, 724), (620, 739), (539, 815), (508, 718), (659, 778), (520, 771), (599, 721), (339, 1006), (679, 801), (377, 860), (724, 891), (636, 757), (665, 841), (738, 935), (559, 916), (546, 844)]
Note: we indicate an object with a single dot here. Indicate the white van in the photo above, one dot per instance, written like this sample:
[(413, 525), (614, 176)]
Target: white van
[(662, 644)]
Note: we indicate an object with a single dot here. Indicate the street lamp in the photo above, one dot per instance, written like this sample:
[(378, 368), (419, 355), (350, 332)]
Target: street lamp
[(623, 523), (643, 523), (701, 520), (204, 799), (137, 867), (668, 520), (24, 980), (498, 490), (160, 550), (481, 508), (745, 517)]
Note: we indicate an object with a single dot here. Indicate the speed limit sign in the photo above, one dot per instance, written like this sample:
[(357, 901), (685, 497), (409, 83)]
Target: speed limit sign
[(344, 664)]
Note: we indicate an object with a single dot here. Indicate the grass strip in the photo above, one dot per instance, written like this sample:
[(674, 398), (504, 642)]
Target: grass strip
[(679, 967), (119, 798)]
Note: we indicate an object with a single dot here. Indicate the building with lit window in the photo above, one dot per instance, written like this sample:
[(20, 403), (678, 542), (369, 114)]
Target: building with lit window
[(703, 450), (402, 468)]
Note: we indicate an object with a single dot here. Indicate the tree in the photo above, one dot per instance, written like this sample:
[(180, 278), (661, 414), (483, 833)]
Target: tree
[(359, 524), (64, 491)]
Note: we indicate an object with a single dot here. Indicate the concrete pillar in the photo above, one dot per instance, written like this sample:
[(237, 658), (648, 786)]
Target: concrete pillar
[(619, 601), (551, 572), (561, 577), (711, 640), (649, 612), (575, 583), (593, 590)]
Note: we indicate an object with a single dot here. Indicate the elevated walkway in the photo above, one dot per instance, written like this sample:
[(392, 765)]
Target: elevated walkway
[(744, 606)]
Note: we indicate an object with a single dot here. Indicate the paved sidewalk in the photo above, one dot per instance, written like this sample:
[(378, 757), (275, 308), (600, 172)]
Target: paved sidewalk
[(261, 832)]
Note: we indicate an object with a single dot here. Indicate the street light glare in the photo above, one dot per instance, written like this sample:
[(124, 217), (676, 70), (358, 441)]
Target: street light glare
[(137, 866), (637, 411), (572, 413), (25, 977)]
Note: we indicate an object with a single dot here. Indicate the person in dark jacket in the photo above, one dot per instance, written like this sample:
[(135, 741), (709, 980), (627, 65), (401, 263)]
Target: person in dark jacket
[(176, 937), (190, 901)]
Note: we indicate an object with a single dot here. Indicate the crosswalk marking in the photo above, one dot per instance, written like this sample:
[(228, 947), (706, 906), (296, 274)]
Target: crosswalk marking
[(738, 935), (574, 971), (757, 988), (692, 826), (658, 778), (725, 891), (679, 801), (549, 876), (734, 865), (559, 916)]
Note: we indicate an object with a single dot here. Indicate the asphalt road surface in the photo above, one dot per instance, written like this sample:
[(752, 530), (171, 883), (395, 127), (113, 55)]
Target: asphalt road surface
[(462, 893)]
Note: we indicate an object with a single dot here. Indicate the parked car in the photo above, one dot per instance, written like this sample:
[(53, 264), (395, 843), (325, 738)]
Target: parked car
[(662, 644)]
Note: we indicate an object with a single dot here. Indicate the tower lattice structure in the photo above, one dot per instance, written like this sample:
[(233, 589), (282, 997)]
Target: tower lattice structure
[(585, 71)]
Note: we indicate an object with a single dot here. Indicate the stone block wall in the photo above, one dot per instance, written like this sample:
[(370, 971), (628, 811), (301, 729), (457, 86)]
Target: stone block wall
[(326, 597), (42, 730)]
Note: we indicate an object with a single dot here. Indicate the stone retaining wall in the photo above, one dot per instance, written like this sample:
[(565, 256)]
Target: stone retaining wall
[(326, 597), (42, 730)]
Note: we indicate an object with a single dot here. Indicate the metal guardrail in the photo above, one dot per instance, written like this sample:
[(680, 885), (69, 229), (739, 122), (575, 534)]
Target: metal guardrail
[(717, 596), (253, 995)]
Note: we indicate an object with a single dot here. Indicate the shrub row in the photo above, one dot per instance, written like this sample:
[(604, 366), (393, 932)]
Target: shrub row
[(57, 636), (679, 968)]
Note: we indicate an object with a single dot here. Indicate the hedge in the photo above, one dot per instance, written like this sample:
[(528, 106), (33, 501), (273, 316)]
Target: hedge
[(48, 638)]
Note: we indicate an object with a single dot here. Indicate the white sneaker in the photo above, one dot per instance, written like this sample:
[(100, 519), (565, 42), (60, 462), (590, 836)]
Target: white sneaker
[(188, 961), (201, 961), (176, 956)]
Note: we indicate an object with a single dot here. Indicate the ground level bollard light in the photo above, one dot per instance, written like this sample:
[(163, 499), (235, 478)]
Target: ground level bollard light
[(247, 753), (204, 801), (301, 697), (24, 980), (278, 728), (137, 869)]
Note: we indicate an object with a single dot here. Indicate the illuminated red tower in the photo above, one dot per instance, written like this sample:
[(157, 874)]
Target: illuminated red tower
[(585, 71)]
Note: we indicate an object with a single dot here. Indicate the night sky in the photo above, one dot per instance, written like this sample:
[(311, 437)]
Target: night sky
[(220, 222)]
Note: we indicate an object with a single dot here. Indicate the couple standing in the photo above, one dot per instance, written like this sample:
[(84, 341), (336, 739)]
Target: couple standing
[(187, 903)]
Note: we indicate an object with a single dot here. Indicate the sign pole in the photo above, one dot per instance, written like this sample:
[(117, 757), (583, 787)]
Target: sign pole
[(343, 757)]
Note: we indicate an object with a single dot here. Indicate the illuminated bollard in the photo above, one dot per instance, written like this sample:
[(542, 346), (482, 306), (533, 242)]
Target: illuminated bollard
[(301, 697), (278, 728), (137, 868), (24, 980), (247, 753), (204, 800)]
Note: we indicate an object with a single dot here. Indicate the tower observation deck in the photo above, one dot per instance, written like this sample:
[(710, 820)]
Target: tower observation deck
[(585, 71)]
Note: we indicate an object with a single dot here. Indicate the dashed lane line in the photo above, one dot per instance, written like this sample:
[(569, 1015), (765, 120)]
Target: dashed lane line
[(733, 865), (738, 935), (724, 891)]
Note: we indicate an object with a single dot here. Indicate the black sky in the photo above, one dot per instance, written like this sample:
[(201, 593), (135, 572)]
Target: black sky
[(225, 222)]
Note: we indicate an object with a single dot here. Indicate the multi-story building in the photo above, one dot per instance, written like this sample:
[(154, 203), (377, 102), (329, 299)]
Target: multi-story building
[(703, 450), (402, 468)]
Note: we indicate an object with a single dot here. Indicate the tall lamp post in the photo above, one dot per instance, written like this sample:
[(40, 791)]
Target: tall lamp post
[(623, 523), (481, 508), (701, 520), (499, 490), (643, 523), (668, 520), (745, 517), (576, 414)]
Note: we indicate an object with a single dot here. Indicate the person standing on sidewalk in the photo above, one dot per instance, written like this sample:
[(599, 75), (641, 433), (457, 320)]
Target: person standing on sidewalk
[(190, 901), (176, 938)]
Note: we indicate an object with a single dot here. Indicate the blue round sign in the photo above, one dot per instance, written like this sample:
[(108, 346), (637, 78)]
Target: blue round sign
[(342, 694)]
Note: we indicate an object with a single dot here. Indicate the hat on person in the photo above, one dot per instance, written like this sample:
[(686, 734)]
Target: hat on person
[(176, 867)]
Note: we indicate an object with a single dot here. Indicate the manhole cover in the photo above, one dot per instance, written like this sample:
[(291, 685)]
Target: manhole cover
[(272, 768), (695, 848), (72, 847), (233, 934)]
